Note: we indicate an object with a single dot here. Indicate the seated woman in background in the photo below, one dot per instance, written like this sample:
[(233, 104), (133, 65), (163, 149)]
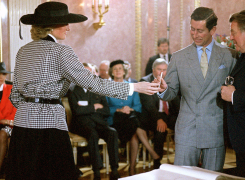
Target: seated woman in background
[(124, 117), (7, 113)]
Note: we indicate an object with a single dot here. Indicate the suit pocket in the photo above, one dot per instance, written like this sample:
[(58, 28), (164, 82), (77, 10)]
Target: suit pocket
[(185, 120)]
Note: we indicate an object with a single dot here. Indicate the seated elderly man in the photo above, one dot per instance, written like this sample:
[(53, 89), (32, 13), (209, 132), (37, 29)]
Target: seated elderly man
[(103, 69), (89, 111), (158, 115)]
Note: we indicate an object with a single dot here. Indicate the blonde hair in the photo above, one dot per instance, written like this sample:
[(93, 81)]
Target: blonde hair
[(39, 32)]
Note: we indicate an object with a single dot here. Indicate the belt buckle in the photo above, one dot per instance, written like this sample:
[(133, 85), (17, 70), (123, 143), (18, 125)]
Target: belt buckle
[(36, 100)]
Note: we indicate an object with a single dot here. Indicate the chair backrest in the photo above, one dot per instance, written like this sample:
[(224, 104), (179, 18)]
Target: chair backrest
[(66, 104)]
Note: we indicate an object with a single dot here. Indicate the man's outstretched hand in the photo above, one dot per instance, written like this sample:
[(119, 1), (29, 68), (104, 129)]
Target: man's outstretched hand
[(163, 85)]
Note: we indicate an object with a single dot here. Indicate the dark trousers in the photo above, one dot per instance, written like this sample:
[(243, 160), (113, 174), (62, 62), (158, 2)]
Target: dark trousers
[(92, 132), (158, 140), (240, 162), (159, 137)]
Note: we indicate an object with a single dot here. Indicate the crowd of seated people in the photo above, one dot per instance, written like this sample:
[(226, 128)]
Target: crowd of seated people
[(89, 111), (109, 118)]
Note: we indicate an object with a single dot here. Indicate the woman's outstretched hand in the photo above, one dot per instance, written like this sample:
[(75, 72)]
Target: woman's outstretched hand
[(146, 88)]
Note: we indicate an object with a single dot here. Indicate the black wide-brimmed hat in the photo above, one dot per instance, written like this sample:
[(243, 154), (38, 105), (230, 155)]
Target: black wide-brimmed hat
[(3, 68), (113, 63), (51, 13)]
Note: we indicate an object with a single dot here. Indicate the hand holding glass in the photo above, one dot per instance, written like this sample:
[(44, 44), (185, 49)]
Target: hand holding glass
[(229, 80)]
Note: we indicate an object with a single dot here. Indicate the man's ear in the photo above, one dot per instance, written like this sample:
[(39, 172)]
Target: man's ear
[(212, 31)]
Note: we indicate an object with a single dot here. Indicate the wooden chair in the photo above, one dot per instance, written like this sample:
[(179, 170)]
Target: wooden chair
[(79, 141)]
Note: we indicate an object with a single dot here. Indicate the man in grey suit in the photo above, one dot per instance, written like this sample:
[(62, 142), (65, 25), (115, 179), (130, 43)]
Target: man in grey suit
[(198, 71)]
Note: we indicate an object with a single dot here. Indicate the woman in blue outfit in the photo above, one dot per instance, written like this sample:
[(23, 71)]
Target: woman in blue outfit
[(124, 117)]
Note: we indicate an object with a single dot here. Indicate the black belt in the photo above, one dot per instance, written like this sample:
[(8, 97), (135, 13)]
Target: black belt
[(42, 100)]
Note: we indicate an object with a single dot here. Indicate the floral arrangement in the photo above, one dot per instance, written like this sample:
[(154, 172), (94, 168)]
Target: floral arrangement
[(225, 41)]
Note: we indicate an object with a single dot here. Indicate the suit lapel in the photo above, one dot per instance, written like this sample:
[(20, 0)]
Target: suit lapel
[(194, 64), (213, 65), (239, 65)]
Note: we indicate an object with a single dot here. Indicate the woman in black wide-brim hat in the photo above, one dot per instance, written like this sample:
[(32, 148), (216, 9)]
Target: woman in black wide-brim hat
[(40, 146)]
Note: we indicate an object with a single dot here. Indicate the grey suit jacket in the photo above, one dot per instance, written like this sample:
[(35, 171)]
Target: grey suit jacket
[(200, 120)]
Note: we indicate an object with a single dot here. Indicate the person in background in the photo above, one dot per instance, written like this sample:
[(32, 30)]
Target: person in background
[(95, 69), (125, 115), (104, 69), (89, 111), (40, 146), (163, 52), (7, 113), (128, 75), (198, 71), (234, 94), (158, 115)]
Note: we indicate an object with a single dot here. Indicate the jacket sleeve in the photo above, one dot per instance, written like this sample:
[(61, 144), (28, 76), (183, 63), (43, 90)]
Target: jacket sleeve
[(172, 81), (7, 109), (148, 104), (136, 102), (174, 107), (105, 110), (239, 100), (77, 109), (74, 71), (16, 96)]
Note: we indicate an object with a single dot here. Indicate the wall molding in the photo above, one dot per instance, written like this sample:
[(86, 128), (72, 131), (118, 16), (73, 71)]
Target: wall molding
[(155, 25), (17, 9), (138, 38), (197, 3), (181, 24)]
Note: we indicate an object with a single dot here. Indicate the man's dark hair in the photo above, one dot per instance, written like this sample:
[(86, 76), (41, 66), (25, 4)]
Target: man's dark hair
[(161, 41), (240, 19), (204, 13)]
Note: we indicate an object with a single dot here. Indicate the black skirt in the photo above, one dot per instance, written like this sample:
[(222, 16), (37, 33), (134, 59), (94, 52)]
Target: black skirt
[(126, 125), (40, 154)]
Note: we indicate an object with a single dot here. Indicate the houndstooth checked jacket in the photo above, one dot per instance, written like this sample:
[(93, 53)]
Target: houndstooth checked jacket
[(44, 69)]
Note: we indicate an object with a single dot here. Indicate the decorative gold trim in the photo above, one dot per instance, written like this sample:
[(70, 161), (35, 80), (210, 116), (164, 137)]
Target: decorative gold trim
[(197, 3), (155, 25), (138, 40), (181, 24)]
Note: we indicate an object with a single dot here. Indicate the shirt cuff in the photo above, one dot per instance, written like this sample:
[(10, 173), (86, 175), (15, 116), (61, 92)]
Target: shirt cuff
[(160, 95), (131, 89), (232, 97)]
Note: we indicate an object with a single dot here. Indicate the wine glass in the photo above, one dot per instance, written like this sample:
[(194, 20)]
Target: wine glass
[(229, 80)]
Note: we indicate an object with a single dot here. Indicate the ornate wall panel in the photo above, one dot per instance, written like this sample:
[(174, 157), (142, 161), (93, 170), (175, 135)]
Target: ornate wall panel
[(138, 34), (18, 8)]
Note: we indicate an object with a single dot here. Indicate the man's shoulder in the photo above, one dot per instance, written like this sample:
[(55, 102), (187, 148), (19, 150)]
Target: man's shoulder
[(218, 48), (133, 80), (147, 78), (186, 49), (154, 57)]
